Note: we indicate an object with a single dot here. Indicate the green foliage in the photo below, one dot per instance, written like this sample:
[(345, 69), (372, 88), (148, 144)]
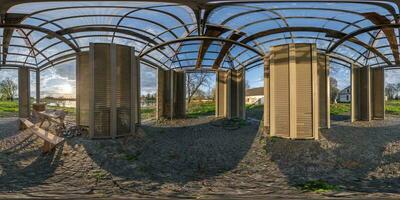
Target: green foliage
[(8, 108), (8, 89), (198, 108), (98, 174), (148, 112), (317, 186), (340, 108), (393, 107)]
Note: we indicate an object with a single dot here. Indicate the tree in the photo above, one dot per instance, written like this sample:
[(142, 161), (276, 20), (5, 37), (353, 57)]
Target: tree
[(8, 89), (194, 81), (247, 85), (334, 89), (391, 90)]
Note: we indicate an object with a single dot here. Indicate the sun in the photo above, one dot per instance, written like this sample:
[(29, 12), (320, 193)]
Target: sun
[(66, 89)]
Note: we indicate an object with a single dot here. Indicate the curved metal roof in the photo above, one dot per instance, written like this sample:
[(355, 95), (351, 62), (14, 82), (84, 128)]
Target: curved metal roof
[(202, 34)]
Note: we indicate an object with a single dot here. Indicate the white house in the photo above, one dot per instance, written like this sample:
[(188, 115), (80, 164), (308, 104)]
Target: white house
[(255, 96), (345, 95)]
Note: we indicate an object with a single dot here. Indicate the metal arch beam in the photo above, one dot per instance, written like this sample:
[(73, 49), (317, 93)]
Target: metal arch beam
[(225, 48), (211, 31), (301, 37), (43, 30), (361, 31), (52, 23), (201, 38), (152, 9), (390, 33), (104, 29), (330, 32), (15, 66), (257, 9)]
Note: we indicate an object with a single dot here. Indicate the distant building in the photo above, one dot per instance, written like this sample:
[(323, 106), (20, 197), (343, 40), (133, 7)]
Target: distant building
[(345, 95), (255, 95)]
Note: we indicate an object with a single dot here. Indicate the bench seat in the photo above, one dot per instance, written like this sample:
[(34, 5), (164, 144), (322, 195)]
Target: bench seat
[(50, 140)]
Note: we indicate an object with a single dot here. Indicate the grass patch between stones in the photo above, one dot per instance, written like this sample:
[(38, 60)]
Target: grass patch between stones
[(318, 186)]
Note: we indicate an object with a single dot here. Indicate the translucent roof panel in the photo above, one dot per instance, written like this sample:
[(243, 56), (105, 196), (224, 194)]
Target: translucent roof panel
[(177, 35)]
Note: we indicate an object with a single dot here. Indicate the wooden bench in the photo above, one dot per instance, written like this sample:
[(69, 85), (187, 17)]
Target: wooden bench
[(50, 140)]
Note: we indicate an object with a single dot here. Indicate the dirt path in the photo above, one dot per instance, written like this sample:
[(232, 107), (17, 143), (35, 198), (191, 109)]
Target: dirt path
[(204, 160)]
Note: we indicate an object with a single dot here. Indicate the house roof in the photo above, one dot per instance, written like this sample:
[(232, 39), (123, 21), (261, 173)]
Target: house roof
[(255, 91), (344, 91)]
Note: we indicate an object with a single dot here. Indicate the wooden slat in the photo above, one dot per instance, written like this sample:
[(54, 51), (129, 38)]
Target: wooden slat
[(280, 112), (389, 33), (225, 48), (212, 31), (304, 93), (45, 135)]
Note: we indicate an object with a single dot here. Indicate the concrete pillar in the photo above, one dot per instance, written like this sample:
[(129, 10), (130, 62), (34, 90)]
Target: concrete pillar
[(293, 83), (38, 86), (171, 98), (24, 92), (360, 94)]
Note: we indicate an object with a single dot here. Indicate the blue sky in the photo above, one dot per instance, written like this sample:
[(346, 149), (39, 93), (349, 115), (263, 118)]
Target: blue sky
[(60, 80)]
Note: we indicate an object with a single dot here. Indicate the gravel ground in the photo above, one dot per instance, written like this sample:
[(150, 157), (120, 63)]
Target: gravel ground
[(199, 158)]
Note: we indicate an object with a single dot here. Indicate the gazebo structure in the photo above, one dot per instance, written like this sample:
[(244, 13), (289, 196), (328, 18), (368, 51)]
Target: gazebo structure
[(295, 42)]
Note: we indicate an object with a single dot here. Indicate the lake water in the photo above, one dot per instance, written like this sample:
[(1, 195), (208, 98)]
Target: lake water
[(61, 103)]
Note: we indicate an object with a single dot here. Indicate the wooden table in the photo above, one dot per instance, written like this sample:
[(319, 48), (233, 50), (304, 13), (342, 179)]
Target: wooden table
[(56, 116)]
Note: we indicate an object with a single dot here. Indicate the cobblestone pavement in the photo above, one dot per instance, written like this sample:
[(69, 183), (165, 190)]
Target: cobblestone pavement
[(200, 158)]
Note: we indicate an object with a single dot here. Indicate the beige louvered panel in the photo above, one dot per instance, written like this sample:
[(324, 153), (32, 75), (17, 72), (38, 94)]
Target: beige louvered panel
[(266, 91), (241, 93), (304, 91), (355, 106), (83, 88), (179, 98), (102, 90), (234, 93), (323, 84), (23, 92), (364, 97), (123, 89), (221, 93), (160, 93), (378, 95), (280, 90)]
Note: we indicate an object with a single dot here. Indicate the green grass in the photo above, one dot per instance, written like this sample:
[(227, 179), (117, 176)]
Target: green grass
[(317, 186), (8, 108), (197, 109), (392, 107), (148, 113), (340, 108)]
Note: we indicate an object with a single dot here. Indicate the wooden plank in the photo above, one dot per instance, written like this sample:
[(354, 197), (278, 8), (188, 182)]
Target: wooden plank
[(45, 135), (211, 31), (225, 48)]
